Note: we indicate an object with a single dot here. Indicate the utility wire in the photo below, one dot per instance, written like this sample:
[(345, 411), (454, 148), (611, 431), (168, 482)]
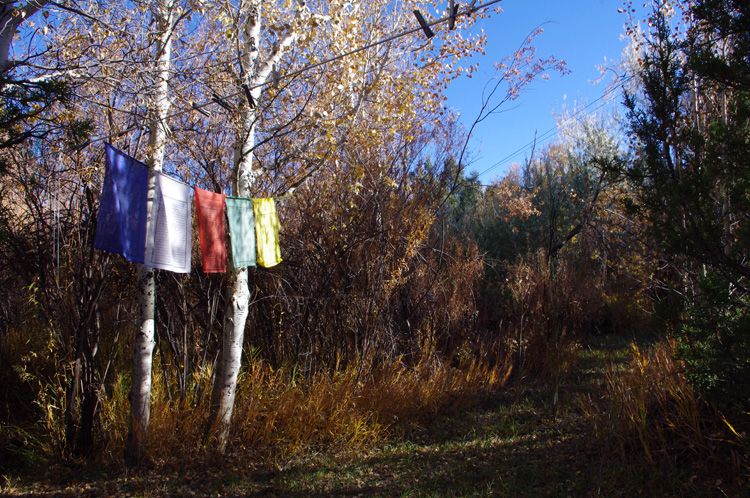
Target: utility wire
[(553, 131), (199, 107)]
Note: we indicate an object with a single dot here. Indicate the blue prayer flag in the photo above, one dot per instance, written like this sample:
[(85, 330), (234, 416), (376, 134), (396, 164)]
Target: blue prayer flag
[(121, 223)]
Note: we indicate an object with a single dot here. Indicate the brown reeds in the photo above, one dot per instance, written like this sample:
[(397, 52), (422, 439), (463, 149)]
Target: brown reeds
[(553, 304), (649, 408), (282, 415)]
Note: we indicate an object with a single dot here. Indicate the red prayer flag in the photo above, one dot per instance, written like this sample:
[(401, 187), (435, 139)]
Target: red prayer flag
[(210, 208)]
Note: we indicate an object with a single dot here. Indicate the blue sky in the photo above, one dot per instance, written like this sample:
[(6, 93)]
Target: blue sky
[(583, 33)]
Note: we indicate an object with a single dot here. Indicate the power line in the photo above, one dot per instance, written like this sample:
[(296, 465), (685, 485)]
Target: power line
[(217, 99), (553, 131)]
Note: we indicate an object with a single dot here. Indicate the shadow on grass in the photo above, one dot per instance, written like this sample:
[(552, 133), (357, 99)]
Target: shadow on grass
[(493, 451), (481, 453), (503, 448), (497, 447)]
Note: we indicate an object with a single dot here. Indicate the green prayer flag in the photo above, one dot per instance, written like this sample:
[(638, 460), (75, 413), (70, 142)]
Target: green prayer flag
[(241, 231)]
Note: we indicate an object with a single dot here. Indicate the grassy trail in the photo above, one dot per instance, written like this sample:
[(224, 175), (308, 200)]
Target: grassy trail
[(509, 444)]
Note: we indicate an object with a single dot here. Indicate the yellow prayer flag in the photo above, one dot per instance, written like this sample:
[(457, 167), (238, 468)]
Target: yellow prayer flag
[(267, 232)]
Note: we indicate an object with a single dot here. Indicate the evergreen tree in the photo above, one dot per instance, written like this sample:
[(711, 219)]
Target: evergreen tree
[(692, 131)]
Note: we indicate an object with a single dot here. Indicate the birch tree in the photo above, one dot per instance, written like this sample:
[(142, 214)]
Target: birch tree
[(372, 90), (166, 14), (80, 46), (12, 15), (254, 73)]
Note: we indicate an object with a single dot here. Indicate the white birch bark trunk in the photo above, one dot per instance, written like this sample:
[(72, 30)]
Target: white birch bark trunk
[(12, 15), (256, 73), (140, 392)]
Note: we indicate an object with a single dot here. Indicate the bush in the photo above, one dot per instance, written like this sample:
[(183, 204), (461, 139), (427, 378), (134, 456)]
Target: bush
[(650, 407), (552, 305), (714, 341)]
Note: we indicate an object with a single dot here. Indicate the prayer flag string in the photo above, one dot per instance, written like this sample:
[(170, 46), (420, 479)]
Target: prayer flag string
[(166, 241)]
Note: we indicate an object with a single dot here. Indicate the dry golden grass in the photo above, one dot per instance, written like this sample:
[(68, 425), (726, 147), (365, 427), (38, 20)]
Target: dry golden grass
[(281, 415), (649, 408)]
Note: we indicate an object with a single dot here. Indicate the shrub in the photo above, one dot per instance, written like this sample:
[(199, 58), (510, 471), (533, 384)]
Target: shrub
[(552, 305), (650, 407), (714, 341)]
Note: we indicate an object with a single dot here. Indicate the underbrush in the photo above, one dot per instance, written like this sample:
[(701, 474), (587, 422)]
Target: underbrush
[(32, 397), (439, 428), (648, 410), (281, 415)]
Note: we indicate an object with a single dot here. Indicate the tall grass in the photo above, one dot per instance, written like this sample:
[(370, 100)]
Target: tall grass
[(32, 397), (281, 415), (553, 304), (649, 408)]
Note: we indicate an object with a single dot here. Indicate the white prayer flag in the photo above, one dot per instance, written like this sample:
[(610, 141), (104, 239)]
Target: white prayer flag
[(168, 244)]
